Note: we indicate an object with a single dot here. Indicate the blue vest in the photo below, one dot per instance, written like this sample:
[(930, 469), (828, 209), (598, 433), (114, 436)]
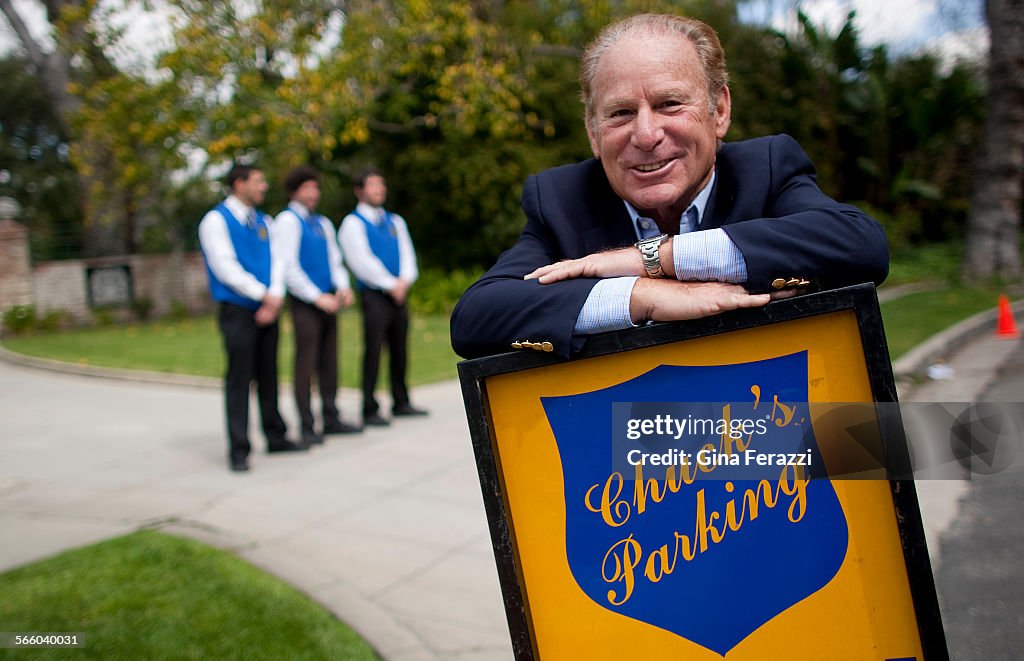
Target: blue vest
[(383, 240), (252, 249), (313, 255)]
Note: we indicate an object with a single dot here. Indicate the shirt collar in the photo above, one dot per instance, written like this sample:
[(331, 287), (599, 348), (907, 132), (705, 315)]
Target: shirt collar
[(369, 212), (240, 210), (646, 227), (300, 209)]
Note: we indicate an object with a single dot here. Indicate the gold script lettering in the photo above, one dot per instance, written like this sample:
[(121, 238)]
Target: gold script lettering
[(613, 511), (630, 557)]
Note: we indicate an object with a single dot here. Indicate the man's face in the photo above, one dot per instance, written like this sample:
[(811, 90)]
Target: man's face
[(651, 128), (308, 194), (252, 190), (374, 191)]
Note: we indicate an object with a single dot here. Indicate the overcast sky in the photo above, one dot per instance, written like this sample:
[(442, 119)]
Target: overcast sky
[(951, 26)]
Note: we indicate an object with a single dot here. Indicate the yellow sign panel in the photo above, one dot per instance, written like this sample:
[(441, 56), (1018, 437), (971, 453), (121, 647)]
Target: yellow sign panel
[(625, 550)]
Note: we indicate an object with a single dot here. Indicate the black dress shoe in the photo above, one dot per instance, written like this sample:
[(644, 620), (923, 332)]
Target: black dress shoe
[(375, 420), (286, 446), (238, 465), (407, 409), (312, 438), (339, 427)]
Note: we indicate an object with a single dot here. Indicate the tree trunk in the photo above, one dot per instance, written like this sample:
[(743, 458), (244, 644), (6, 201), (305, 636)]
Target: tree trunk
[(55, 72), (993, 221), (53, 69)]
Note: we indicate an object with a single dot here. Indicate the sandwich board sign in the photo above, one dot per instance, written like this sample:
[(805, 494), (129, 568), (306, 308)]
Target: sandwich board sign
[(725, 488)]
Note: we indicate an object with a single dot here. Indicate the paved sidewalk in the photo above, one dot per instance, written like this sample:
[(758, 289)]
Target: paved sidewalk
[(386, 529), (975, 366)]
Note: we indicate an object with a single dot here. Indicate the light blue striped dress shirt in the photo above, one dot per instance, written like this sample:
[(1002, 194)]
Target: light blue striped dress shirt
[(698, 255)]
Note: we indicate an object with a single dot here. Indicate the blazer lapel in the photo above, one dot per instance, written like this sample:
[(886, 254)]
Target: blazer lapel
[(614, 228), (616, 231), (721, 202)]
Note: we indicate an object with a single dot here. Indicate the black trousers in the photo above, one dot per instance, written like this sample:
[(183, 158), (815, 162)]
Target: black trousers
[(316, 350), (252, 355), (384, 322)]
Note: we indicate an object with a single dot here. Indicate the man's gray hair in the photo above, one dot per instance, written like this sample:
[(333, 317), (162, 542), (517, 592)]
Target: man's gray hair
[(700, 34)]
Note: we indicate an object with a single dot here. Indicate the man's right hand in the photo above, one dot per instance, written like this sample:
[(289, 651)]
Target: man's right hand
[(267, 312), (399, 291), (671, 300), (344, 298), (327, 303)]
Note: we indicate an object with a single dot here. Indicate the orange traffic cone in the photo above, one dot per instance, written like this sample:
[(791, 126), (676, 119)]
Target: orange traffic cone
[(1005, 326)]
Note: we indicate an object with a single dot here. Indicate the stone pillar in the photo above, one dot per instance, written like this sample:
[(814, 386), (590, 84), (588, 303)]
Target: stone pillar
[(15, 269)]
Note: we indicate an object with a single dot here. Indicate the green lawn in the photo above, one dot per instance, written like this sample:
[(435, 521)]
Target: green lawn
[(193, 346), (913, 318), (149, 595)]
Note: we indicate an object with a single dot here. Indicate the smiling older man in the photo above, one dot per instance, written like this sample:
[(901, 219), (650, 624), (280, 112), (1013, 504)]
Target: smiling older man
[(666, 222)]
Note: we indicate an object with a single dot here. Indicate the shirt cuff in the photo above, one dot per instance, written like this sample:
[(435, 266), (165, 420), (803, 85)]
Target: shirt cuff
[(708, 256), (607, 307)]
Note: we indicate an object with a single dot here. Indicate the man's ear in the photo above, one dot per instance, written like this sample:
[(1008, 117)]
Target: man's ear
[(595, 143), (723, 112)]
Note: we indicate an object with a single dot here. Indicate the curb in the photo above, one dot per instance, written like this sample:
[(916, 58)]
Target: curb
[(163, 378), (890, 293), (134, 376), (912, 365)]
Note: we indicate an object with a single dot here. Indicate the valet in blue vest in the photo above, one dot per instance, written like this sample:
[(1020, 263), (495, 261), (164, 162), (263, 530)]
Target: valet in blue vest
[(318, 288), (246, 278), (380, 254)]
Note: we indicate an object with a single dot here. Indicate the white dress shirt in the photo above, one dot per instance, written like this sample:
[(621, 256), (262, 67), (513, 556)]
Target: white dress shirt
[(215, 240), (288, 228), (360, 259), (698, 255)]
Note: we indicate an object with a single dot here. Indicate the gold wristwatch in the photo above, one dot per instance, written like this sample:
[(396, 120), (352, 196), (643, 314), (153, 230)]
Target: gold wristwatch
[(649, 254)]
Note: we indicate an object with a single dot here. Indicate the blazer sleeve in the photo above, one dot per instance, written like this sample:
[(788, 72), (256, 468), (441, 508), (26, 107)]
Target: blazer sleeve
[(501, 308), (800, 232)]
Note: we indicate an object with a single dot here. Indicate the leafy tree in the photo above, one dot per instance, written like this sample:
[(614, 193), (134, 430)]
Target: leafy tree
[(245, 76), (445, 107), (895, 134), (36, 170), (54, 68), (458, 102), (110, 118)]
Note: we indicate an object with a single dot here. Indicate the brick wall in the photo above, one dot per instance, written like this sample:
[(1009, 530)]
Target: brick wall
[(61, 286), (64, 285), (15, 272), (162, 279)]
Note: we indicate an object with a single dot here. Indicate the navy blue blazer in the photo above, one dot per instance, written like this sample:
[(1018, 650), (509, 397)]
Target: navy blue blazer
[(765, 198)]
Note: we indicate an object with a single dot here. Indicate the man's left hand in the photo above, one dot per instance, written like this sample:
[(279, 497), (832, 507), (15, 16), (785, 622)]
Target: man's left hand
[(608, 264), (267, 312), (399, 291)]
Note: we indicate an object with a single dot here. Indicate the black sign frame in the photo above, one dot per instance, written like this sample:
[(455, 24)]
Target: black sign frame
[(861, 299)]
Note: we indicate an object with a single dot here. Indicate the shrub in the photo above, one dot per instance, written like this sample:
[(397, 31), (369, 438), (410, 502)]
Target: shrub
[(437, 291), (103, 316), (177, 312), (929, 262), (20, 318), (141, 308), (52, 320)]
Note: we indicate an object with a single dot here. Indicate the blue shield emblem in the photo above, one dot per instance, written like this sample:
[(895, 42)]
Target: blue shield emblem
[(714, 556)]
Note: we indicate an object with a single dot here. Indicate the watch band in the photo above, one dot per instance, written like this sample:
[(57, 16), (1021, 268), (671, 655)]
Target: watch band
[(650, 256)]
